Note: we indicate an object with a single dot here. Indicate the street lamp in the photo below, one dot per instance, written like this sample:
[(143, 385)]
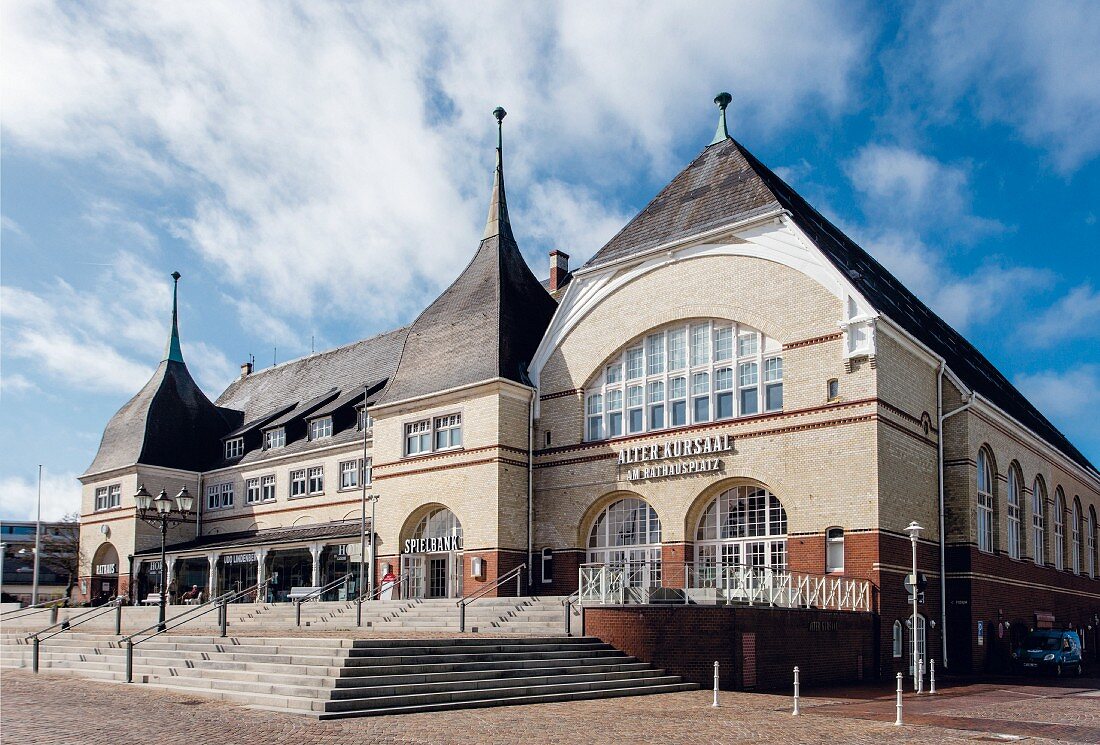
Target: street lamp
[(159, 513), (914, 530), (372, 498)]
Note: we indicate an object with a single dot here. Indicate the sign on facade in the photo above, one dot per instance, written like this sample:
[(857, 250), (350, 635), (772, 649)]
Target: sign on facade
[(433, 545), (981, 633), (106, 568), (652, 457), (249, 558)]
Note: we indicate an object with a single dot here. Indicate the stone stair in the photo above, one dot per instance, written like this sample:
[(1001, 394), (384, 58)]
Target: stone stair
[(332, 678)]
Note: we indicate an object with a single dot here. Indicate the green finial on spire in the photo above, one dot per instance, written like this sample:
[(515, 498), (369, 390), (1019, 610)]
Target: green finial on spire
[(173, 351), (722, 133), (497, 221)]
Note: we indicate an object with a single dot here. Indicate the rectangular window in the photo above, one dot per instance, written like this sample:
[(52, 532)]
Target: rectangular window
[(274, 438), (448, 431), (677, 349), (746, 345), (700, 392), (634, 401), (985, 522), (252, 491), (723, 397), (234, 448), (595, 416), (298, 483), (363, 420), (614, 373), (349, 474), (700, 344), (321, 427), (614, 413), (747, 379), (101, 498), (723, 343), (227, 495), (656, 397), (677, 395), (367, 471), (634, 360), (317, 480), (418, 437), (219, 496), (267, 489), (655, 354), (114, 495)]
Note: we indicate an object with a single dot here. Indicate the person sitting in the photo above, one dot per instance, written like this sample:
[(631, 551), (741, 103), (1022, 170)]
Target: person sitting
[(192, 596)]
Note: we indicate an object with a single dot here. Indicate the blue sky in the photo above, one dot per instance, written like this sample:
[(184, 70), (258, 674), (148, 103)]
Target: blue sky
[(318, 172)]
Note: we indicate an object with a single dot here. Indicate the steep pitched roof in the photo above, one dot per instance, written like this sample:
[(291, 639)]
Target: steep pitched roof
[(486, 325), (170, 422), (727, 184)]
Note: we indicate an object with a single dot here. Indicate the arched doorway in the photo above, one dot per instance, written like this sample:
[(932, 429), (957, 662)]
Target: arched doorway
[(742, 529), (104, 584), (431, 558), (627, 535)]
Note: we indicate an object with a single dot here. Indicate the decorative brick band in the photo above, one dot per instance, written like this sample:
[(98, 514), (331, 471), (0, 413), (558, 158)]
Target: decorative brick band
[(449, 455), (815, 340), (561, 394), (444, 467)]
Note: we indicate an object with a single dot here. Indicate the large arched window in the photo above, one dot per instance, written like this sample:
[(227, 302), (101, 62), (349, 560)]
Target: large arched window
[(985, 503), (685, 373), (1090, 543), (1059, 529), (1012, 500), (1075, 536), (627, 534), (1038, 520), (743, 526), (431, 560)]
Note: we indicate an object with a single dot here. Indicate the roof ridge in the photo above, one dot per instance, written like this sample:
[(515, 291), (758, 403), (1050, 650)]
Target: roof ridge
[(314, 355)]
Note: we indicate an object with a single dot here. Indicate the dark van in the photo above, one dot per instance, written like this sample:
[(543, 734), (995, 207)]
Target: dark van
[(1049, 651)]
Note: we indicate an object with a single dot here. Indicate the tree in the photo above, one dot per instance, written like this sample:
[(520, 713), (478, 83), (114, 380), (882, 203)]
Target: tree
[(61, 550)]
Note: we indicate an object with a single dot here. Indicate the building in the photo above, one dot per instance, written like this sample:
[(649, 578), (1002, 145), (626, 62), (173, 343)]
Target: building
[(57, 566), (730, 382)]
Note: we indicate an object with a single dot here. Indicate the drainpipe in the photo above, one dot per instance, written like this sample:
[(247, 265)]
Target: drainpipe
[(198, 512), (941, 418), (531, 491)]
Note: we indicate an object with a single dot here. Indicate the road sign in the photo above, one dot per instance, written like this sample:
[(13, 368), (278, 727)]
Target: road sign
[(922, 583)]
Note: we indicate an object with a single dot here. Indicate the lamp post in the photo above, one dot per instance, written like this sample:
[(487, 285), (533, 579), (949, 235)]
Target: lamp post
[(372, 498), (160, 514), (914, 530), (37, 539)]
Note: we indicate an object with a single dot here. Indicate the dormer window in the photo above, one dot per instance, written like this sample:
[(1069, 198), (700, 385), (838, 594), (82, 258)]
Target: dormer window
[(274, 438), (320, 427), (234, 448), (363, 420)]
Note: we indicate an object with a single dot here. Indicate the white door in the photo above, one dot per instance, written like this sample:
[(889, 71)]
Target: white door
[(922, 652), (412, 571)]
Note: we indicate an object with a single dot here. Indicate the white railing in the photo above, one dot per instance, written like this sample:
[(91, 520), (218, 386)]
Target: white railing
[(639, 582)]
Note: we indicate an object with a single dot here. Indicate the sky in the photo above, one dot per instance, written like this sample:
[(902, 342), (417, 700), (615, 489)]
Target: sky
[(319, 172)]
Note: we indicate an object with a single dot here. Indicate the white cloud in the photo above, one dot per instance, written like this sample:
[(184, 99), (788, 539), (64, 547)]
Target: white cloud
[(60, 495), (1034, 66), (1070, 398), (16, 384), (1075, 316), (340, 155), (569, 218), (6, 223)]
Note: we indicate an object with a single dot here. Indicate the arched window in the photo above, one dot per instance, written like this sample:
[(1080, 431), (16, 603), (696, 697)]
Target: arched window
[(834, 550), (985, 503), (1015, 536), (1038, 521), (1059, 529), (627, 534), (899, 639), (431, 558), (685, 373), (1090, 543), (1075, 536), (743, 526)]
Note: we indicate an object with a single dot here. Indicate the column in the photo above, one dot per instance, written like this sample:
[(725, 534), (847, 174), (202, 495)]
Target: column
[(212, 581), (315, 553), (261, 573), (169, 573)]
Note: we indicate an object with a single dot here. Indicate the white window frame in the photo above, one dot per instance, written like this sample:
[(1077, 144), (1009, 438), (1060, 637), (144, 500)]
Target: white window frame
[(320, 427), (418, 437), (114, 496), (275, 438), (268, 488), (447, 431), (985, 503), (1075, 536), (627, 534), (1038, 521), (234, 448), (834, 543), (1059, 529), (1012, 503), (742, 526), (1090, 543), (436, 434), (315, 476), (695, 351), (363, 420), (297, 484), (899, 640), (219, 496), (252, 492)]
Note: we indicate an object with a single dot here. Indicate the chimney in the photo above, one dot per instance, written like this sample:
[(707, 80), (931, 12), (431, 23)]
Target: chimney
[(559, 269), (246, 369)]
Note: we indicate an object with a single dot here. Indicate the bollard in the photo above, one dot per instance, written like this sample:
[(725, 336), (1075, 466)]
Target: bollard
[(932, 676), (462, 617), (224, 617), (129, 660), (796, 712), (714, 705), (897, 722), (118, 618), (359, 611), (34, 655), (568, 620), (53, 614), (297, 613)]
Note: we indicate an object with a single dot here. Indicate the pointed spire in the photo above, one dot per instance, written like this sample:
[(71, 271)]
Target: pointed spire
[(497, 222), (723, 100), (172, 351)]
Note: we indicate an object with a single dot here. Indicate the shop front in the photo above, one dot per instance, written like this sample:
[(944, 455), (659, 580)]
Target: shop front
[(237, 572), (104, 580), (149, 579), (288, 568), (189, 573), (431, 558)]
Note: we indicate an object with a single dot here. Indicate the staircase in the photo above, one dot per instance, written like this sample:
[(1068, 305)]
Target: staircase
[(334, 678)]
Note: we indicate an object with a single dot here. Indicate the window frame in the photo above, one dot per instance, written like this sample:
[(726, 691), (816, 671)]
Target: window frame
[(297, 479), (1059, 529), (315, 472), (1014, 513), (270, 438), (219, 496), (985, 503), (107, 497), (431, 428), (834, 537), (318, 429), (234, 448)]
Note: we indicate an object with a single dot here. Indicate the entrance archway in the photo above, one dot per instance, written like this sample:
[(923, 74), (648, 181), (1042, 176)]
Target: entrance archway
[(743, 527), (627, 535), (104, 584), (431, 556)]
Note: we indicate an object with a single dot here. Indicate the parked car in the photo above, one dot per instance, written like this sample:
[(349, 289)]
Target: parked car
[(1051, 651)]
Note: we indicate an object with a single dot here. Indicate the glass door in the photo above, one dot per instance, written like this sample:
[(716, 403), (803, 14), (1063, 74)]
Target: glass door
[(412, 567), (437, 576)]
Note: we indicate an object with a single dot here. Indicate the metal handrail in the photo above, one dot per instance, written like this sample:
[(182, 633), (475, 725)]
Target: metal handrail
[(507, 577), (569, 602), (316, 594), (36, 608), (219, 603), (369, 595), (67, 625)]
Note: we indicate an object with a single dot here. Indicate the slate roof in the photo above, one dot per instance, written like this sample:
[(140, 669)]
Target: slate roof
[(265, 536), (344, 368), (486, 325), (727, 184)]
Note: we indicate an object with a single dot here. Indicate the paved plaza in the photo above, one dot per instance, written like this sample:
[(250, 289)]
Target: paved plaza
[(55, 709)]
